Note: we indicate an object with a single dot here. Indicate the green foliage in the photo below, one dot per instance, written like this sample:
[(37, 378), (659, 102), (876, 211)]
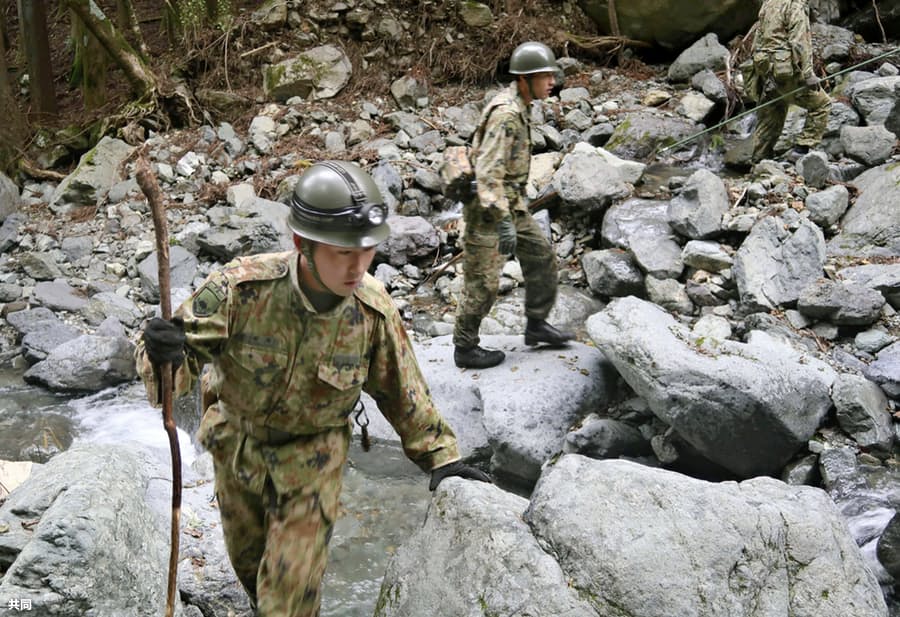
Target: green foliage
[(184, 20)]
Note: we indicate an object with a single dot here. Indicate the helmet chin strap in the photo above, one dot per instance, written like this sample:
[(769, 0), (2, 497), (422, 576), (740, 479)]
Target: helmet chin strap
[(528, 88), (306, 248)]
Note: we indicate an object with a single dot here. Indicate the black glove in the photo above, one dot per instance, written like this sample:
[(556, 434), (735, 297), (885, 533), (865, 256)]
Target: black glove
[(164, 341), (506, 229), (456, 469)]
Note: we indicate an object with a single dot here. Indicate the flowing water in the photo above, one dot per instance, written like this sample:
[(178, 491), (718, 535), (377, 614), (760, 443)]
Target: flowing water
[(384, 499)]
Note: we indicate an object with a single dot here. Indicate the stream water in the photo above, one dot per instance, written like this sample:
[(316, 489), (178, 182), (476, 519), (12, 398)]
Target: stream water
[(384, 499)]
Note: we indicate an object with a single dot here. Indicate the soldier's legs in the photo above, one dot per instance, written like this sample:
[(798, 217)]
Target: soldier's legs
[(481, 271), (243, 525), (293, 564), (535, 254), (817, 105), (769, 123)]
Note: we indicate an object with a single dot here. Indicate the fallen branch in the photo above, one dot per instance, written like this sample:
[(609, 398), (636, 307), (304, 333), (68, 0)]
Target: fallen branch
[(31, 170)]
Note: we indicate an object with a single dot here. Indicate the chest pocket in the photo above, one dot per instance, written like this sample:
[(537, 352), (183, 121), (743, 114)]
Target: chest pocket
[(345, 383), (255, 378)]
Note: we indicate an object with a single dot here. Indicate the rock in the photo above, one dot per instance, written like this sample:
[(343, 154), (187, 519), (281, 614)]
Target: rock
[(707, 53), (872, 224), (72, 541), (708, 390), (773, 264), (9, 197), (318, 73), (726, 544), (475, 555), (885, 370), (586, 181), (698, 210), (98, 170), (826, 207), (88, 363), (862, 411), (672, 24), (641, 133), (841, 303), (612, 272), (870, 145)]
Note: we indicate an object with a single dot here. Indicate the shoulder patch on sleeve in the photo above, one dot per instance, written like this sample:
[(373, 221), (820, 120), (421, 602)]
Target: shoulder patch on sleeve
[(371, 293), (208, 298), (259, 267)]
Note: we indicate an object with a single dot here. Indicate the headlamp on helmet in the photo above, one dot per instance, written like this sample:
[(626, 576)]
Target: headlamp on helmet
[(338, 203)]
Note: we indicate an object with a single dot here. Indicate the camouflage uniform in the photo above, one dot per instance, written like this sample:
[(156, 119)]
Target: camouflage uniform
[(502, 155), (783, 35), (283, 382)]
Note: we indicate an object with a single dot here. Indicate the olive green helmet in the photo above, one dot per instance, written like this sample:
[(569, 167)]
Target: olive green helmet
[(532, 57), (337, 203)]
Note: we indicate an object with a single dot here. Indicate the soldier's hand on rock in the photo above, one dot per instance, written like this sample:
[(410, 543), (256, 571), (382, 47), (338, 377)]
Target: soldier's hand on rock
[(456, 469), (506, 229), (812, 81), (164, 341)]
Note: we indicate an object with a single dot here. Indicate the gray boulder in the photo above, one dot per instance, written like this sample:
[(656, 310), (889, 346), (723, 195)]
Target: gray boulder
[(756, 548), (318, 73), (82, 540), (97, 172), (748, 407), (707, 53), (872, 224), (613, 537), (698, 210), (9, 197), (885, 370), (474, 555), (88, 363), (516, 413), (775, 263), (841, 303), (587, 182), (641, 133)]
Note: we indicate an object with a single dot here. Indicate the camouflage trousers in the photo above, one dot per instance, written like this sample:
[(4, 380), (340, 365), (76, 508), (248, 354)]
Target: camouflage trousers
[(482, 263), (770, 119), (276, 536)]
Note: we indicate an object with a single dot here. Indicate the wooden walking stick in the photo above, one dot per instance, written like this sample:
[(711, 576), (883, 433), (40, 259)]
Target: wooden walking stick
[(150, 187)]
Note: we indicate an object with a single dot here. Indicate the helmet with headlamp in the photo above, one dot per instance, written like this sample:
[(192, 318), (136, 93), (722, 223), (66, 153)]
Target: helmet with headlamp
[(337, 203)]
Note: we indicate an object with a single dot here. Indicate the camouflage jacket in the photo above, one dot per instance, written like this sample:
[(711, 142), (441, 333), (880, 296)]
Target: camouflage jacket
[(784, 26), (501, 152), (278, 364)]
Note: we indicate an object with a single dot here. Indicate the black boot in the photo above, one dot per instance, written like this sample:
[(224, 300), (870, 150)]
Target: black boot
[(477, 357), (539, 331)]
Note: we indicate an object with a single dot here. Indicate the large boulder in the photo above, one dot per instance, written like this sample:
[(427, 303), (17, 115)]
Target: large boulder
[(518, 413), (872, 224), (98, 171), (748, 407), (318, 73), (88, 363), (777, 261), (78, 537), (614, 537), (674, 24)]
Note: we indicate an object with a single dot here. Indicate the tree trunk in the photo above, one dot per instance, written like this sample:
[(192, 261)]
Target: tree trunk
[(143, 81), (35, 43), (13, 130), (128, 23), (90, 65)]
